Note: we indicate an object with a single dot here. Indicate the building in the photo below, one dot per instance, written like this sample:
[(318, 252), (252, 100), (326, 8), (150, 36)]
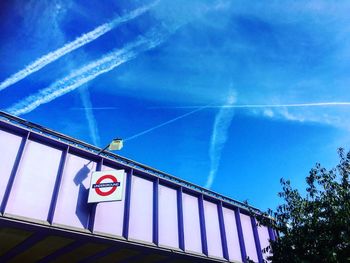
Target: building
[(45, 216)]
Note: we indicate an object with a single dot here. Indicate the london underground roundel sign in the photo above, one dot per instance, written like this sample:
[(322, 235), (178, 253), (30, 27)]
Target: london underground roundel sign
[(106, 186), (112, 186)]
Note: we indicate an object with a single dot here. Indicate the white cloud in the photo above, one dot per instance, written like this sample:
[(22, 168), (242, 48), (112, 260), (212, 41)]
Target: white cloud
[(219, 137)]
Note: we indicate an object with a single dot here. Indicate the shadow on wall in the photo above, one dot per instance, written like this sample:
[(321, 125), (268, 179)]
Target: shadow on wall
[(83, 209)]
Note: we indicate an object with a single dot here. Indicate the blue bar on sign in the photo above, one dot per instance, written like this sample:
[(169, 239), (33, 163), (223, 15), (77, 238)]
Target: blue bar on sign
[(105, 185)]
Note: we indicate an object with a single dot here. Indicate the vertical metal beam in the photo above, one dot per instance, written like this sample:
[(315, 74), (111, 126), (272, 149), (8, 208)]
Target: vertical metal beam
[(180, 219), (99, 165), (240, 235), (56, 188), (14, 172), (256, 239), (271, 234), (155, 212), (91, 222), (202, 225), (222, 231), (127, 204)]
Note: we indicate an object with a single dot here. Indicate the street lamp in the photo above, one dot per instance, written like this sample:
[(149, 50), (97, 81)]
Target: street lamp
[(115, 144)]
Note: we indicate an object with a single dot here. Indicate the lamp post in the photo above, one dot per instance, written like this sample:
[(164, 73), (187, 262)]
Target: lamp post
[(115, 144)]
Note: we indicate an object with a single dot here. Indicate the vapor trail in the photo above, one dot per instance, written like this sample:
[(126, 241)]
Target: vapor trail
[(95, 108), (164, 123), (316, 104), (69, 47), (83, 75), (218, 138), (85, 98)]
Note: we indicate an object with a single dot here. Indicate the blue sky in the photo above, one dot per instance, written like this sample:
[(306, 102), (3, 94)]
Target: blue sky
[(247, 92)]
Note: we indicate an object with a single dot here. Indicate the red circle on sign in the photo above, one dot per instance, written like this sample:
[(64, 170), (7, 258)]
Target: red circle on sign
[(113, 188)]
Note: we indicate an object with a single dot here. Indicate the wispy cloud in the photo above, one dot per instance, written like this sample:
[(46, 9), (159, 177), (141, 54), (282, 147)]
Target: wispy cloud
[(219, 137), (84, 75), (93, 129), (71, 46)]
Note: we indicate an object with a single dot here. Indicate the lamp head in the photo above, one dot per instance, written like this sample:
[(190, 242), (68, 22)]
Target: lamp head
[(116, 144)]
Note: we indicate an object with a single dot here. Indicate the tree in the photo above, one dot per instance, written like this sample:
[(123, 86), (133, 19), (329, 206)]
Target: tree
[(316, 227)]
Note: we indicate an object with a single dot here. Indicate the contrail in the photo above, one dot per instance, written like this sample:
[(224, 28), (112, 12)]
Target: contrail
[(95, 108), (227, 106), (83, 75), (316, 104), (219, 137), (85, 98), (164, 123), (69, 47)]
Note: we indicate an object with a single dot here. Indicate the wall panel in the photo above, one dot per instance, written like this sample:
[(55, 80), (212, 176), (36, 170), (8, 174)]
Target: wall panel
[(213, 229), (264, 239), (168, 221), (9, 145), (192, 231), (233, 247), (249, 237), (141, 209), (34, 181), (72, 208)]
